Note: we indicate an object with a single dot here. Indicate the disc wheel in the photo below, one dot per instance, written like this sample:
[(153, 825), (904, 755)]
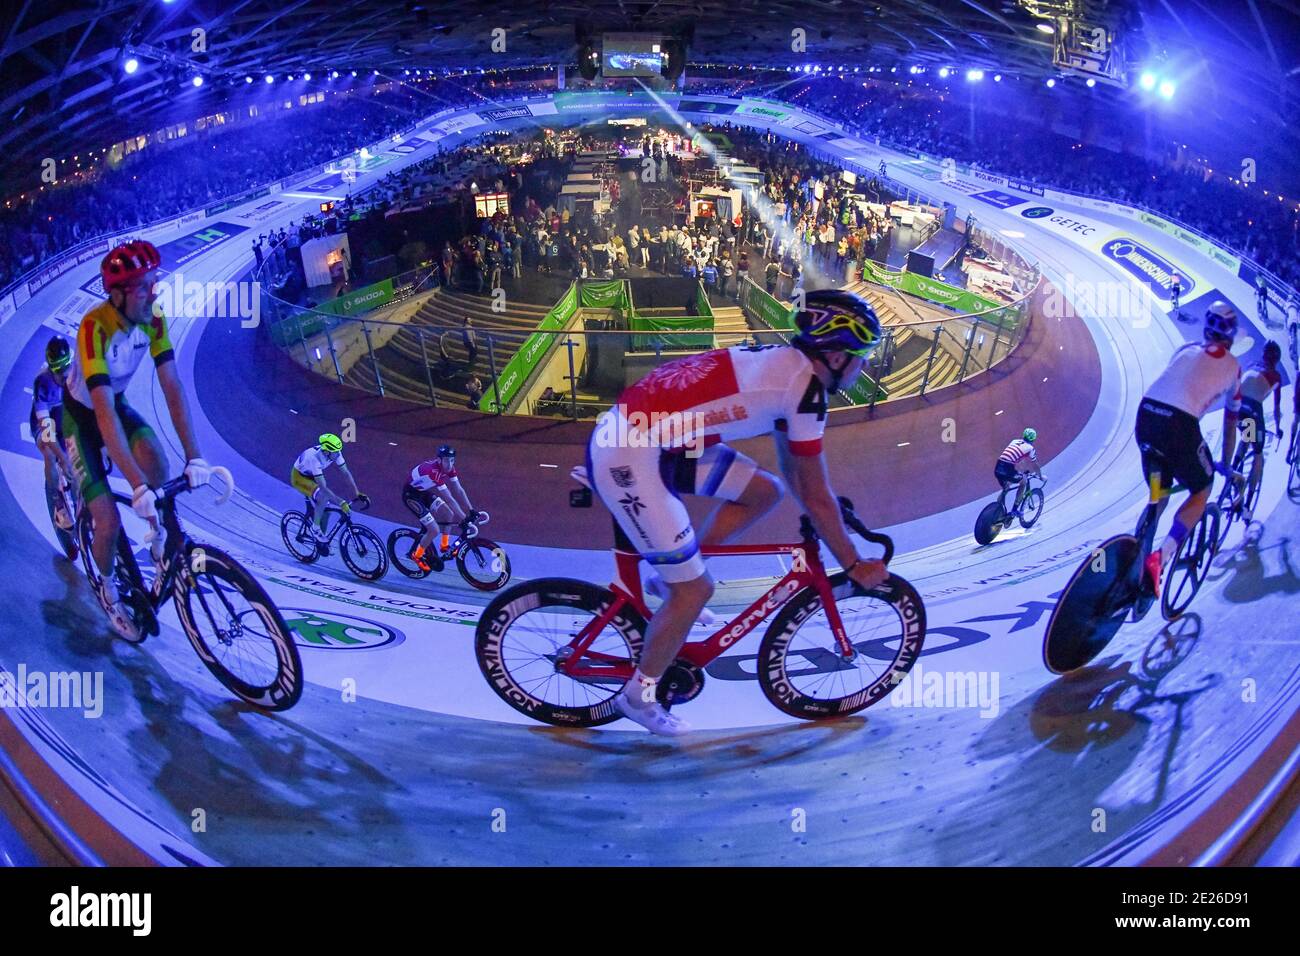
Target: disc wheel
[(800, 665), (1089, 612), (989, 523)]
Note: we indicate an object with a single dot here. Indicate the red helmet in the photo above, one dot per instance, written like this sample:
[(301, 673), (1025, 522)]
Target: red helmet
[(129, 262)]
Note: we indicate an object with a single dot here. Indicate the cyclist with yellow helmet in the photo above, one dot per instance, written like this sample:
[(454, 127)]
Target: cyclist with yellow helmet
[(308, 477)]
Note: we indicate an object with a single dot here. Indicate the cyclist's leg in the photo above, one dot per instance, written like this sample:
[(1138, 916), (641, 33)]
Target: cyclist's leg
[(747, 491), (1171, 445), (85, 450)]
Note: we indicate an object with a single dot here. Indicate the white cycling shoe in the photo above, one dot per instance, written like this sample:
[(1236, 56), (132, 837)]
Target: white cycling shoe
[(655, 586), (651, 716), (119, 618)]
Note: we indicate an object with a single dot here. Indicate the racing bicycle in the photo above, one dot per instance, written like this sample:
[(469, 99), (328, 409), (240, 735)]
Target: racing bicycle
[(1027, 508), (1111, 587), (361, 549), (232, 623), (1238, 495), (483, 564), (1293, 459), (558, 650)]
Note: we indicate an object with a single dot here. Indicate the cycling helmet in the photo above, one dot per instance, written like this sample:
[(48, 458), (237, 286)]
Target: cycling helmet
[(1221, 323), (446, 451), (128, 263), (835, 320), (1272, 352), (330, 443), (1029, 435), (58, 354)]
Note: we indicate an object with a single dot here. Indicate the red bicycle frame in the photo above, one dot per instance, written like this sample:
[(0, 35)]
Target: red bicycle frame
[(806, 570)]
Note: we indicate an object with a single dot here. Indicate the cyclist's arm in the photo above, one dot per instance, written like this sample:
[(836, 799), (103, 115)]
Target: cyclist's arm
[(457, 493), (808, 481), (330, 496), (179, 409), (1277, 409), (110, 430), (356, 492)]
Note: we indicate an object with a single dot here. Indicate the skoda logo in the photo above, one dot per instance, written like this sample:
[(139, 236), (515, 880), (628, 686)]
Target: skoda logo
[(330, 630), (1037, 212)]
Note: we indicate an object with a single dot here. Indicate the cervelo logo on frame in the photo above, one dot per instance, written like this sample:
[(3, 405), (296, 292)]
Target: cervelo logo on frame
[(1148, 267)]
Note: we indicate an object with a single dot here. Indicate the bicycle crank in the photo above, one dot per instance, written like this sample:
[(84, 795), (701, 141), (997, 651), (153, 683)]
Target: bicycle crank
[(681, 683)]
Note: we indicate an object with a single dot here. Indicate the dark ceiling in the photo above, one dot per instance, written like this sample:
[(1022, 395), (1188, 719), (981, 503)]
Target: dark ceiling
[(62, 87)]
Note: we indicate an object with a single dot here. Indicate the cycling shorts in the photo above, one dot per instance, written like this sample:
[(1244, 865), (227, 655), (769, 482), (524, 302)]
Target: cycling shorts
[(85, 445), (1005, 473), (305, 485), (1171, 444), (1252, 412), (421, 501), (642, 487)]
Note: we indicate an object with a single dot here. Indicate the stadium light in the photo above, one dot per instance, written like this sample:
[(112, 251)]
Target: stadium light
[(270, 78), (248, 79), (1091, 83), (1046, 28), (943, 73), (334, 75), (1167, 89), (974, 76), (354, 72), (997, 77), (1147, 81), (197, 81), (131, 65), (306, 76), (1051, 82)]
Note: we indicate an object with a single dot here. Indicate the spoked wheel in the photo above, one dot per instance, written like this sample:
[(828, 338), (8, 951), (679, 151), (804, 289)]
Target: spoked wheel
[(800, 666), (400, 544), (1092, 607), (67, 537), (125, 575), (989, 523), (85, 530), (524, 634), (1252, 494), (1032, 509), (484, 564), (237, 630), (1293, 478), (1190, 566), (363, 553), (295, 529)]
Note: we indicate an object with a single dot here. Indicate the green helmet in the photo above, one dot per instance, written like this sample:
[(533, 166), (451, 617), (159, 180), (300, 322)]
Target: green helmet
[(1029, 435), (330, 443)]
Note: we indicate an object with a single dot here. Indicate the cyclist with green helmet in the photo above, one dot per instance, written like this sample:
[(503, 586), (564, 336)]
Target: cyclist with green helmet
[(308, 478), (1016, 461), (46, 422), (665, 437)]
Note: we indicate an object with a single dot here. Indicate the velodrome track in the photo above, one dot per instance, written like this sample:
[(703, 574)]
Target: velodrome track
[(412, 772)]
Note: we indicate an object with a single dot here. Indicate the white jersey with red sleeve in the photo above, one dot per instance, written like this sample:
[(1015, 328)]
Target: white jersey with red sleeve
[(727, 394), (1258, 383), (1018, 451), (1197, 375), (430, 474)]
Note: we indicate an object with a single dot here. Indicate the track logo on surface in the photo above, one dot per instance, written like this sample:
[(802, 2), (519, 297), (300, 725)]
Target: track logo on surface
[(1037, 212), (1146, 266), (338, 632)]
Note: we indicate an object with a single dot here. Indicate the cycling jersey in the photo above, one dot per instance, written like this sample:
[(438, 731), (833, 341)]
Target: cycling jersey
[(109, 349), (313, 462), (724, 395), (431, 474), (1257, 383), (1017, 451), (47, 402), (1197, 375)]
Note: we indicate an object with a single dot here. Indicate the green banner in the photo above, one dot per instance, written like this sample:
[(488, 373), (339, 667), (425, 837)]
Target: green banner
[(938, 292), (522, 364), (768, 310), (680, 323), (1208, 249), (605, 295), (357, 302)]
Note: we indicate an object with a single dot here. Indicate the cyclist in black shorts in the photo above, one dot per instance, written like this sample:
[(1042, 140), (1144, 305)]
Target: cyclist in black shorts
[(46, 423)]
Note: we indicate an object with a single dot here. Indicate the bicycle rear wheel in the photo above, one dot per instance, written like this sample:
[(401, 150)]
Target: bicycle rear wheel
[(484, 564), (989, 523), (1228, 507), (295, 529), (523, 635), (1032, 508), (67, 537), (237, 630), (363, 553), (1092, 607), (1190, 566), (800, 667), (400, 543), (1293, 478)]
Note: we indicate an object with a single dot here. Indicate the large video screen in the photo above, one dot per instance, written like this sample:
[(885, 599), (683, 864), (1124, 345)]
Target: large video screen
[(631, 55)]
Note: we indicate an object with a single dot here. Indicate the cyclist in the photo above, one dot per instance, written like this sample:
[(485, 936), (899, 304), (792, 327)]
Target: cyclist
[(1256, 385), (434, 487), (1168, 430), (111, 342), (308, 477), (640, 461), (46, 422), (1008, 470)]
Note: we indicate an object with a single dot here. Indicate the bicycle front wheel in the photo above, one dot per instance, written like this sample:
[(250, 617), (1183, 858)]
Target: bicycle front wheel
[(524, 635), (1032, 509), (295, 529), (800, 665), (364, 553), (1093, 606), (484, 564), (1190, 566), (237, 630)]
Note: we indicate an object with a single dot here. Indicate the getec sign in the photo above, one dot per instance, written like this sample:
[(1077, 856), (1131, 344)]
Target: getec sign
[(1153, 270)]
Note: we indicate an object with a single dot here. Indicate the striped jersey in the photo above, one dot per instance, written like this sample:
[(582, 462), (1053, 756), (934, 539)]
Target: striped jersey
[(1017, 452)]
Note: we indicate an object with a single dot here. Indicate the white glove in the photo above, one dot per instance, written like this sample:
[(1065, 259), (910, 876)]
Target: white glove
[(197, 472), (144, 503)]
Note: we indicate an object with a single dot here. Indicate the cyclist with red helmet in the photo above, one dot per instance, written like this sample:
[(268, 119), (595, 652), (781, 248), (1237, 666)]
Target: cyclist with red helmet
[(664, 437), (1168, 431), (111, 342)]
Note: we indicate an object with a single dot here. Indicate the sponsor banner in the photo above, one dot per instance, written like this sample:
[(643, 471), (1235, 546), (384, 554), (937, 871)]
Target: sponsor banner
[(961, 185), (7, 307), (809, 127), (1037, 212), (1025, 187), (931, 290), (984, 177), (262, 212), (191, 218), (504, 113), (1203, 246), (542, 108), (1062, 223), (330, 182), (752, 108), (998, 198), (522, 364), (70, 313), (1148, 267), (96, 250), (567, 102), (366, 299), (414, 146), (177, 252), (236, 201), (458, 123), (706, 106)]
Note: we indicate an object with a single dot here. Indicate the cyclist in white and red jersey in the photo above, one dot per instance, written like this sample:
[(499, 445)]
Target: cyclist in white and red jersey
[(1256, 385), (646, 451), (434, 489), (1017, 459), (1168, 431)]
